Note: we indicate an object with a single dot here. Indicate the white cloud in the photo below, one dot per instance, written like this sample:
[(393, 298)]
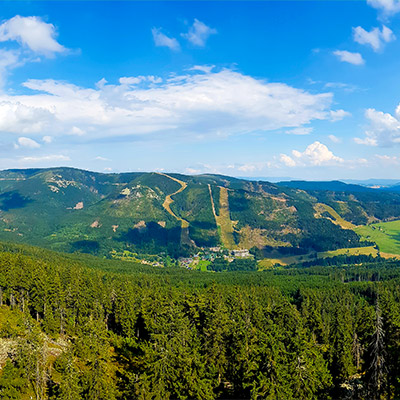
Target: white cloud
[(196, 104), (131, 80), (9, 59), (349, 57), (162, 40), (41, 159), (387, 160), (192, 171), (203, 68), (316, 154), (387, 7), (288, 161), (32, 33), (135, 80), (47, 139), (338, 115), (299, 131), (374, 38), (77, 131), (334, 139), (383, 130), (100, 158), (198, 33), (16, 117), (27, 142)]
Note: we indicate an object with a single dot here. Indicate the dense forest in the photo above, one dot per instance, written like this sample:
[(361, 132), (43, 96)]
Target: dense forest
[(71, 329)]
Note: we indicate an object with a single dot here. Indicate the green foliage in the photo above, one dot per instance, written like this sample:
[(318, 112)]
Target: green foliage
[(67, 209), (167, 333), (12, 382)]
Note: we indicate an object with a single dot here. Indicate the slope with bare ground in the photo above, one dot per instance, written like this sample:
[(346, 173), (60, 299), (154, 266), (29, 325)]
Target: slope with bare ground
[(223, 220), (185, 239)]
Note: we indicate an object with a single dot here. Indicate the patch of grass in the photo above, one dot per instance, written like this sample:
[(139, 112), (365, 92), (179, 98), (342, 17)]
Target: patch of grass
[(354, 251), (202, 265), (223, 220), (336, 218), (385, 234)]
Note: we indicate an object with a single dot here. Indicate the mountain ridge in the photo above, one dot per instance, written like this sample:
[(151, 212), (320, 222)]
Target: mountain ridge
[(70, 209)]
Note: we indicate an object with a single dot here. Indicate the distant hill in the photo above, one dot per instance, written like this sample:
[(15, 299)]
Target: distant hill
[(72, 210), (334, 186)]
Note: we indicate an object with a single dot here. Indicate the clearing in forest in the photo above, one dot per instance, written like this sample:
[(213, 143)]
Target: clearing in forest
[(223, 220), (320, 208), (169, 200), (351, 251), (385, 234), (167, 206)]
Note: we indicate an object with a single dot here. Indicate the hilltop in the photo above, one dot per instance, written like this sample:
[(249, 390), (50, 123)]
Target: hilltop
[(68, 209)]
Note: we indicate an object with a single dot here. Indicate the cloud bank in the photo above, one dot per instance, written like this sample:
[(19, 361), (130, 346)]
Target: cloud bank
[(208, 104)]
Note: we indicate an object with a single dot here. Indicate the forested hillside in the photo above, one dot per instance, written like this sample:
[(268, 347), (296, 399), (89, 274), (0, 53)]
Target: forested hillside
[(71, 330), (151, 213)]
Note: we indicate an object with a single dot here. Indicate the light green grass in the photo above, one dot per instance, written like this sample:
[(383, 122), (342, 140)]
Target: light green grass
[(354, 251), (223, 220), (336, 218), (270, 262), (202, 265), (385, 234)]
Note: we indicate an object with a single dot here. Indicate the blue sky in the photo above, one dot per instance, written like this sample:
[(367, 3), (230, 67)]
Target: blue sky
[(308, 90)]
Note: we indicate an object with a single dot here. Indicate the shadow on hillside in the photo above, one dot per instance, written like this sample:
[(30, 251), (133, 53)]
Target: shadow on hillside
[(12, 200), (152, 233), (153, 238), (85, 246)]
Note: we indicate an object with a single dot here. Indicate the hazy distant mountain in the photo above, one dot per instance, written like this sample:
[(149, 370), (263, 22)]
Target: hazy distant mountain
[(336, 186)]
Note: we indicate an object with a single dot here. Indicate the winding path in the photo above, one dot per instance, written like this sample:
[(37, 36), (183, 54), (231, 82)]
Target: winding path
[(167, 206)]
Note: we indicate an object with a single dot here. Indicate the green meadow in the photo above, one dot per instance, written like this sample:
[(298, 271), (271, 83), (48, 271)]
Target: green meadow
[(385, 234)]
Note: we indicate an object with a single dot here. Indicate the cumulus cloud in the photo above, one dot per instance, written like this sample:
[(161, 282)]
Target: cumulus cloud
[(224, 102), (349, 57), (16, 117), (383, 130), (162, 40), (199, 33), (316, 154), (33, 33), (338, 115), (374, 38), (27, 142), (387, 7)]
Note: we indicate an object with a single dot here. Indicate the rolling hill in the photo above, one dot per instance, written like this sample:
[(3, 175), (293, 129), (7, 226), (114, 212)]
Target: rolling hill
[(68, 209)]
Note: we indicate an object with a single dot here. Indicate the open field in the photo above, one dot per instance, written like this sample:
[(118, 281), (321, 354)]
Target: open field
[(223, 220), (385, 234), (269, 262)]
